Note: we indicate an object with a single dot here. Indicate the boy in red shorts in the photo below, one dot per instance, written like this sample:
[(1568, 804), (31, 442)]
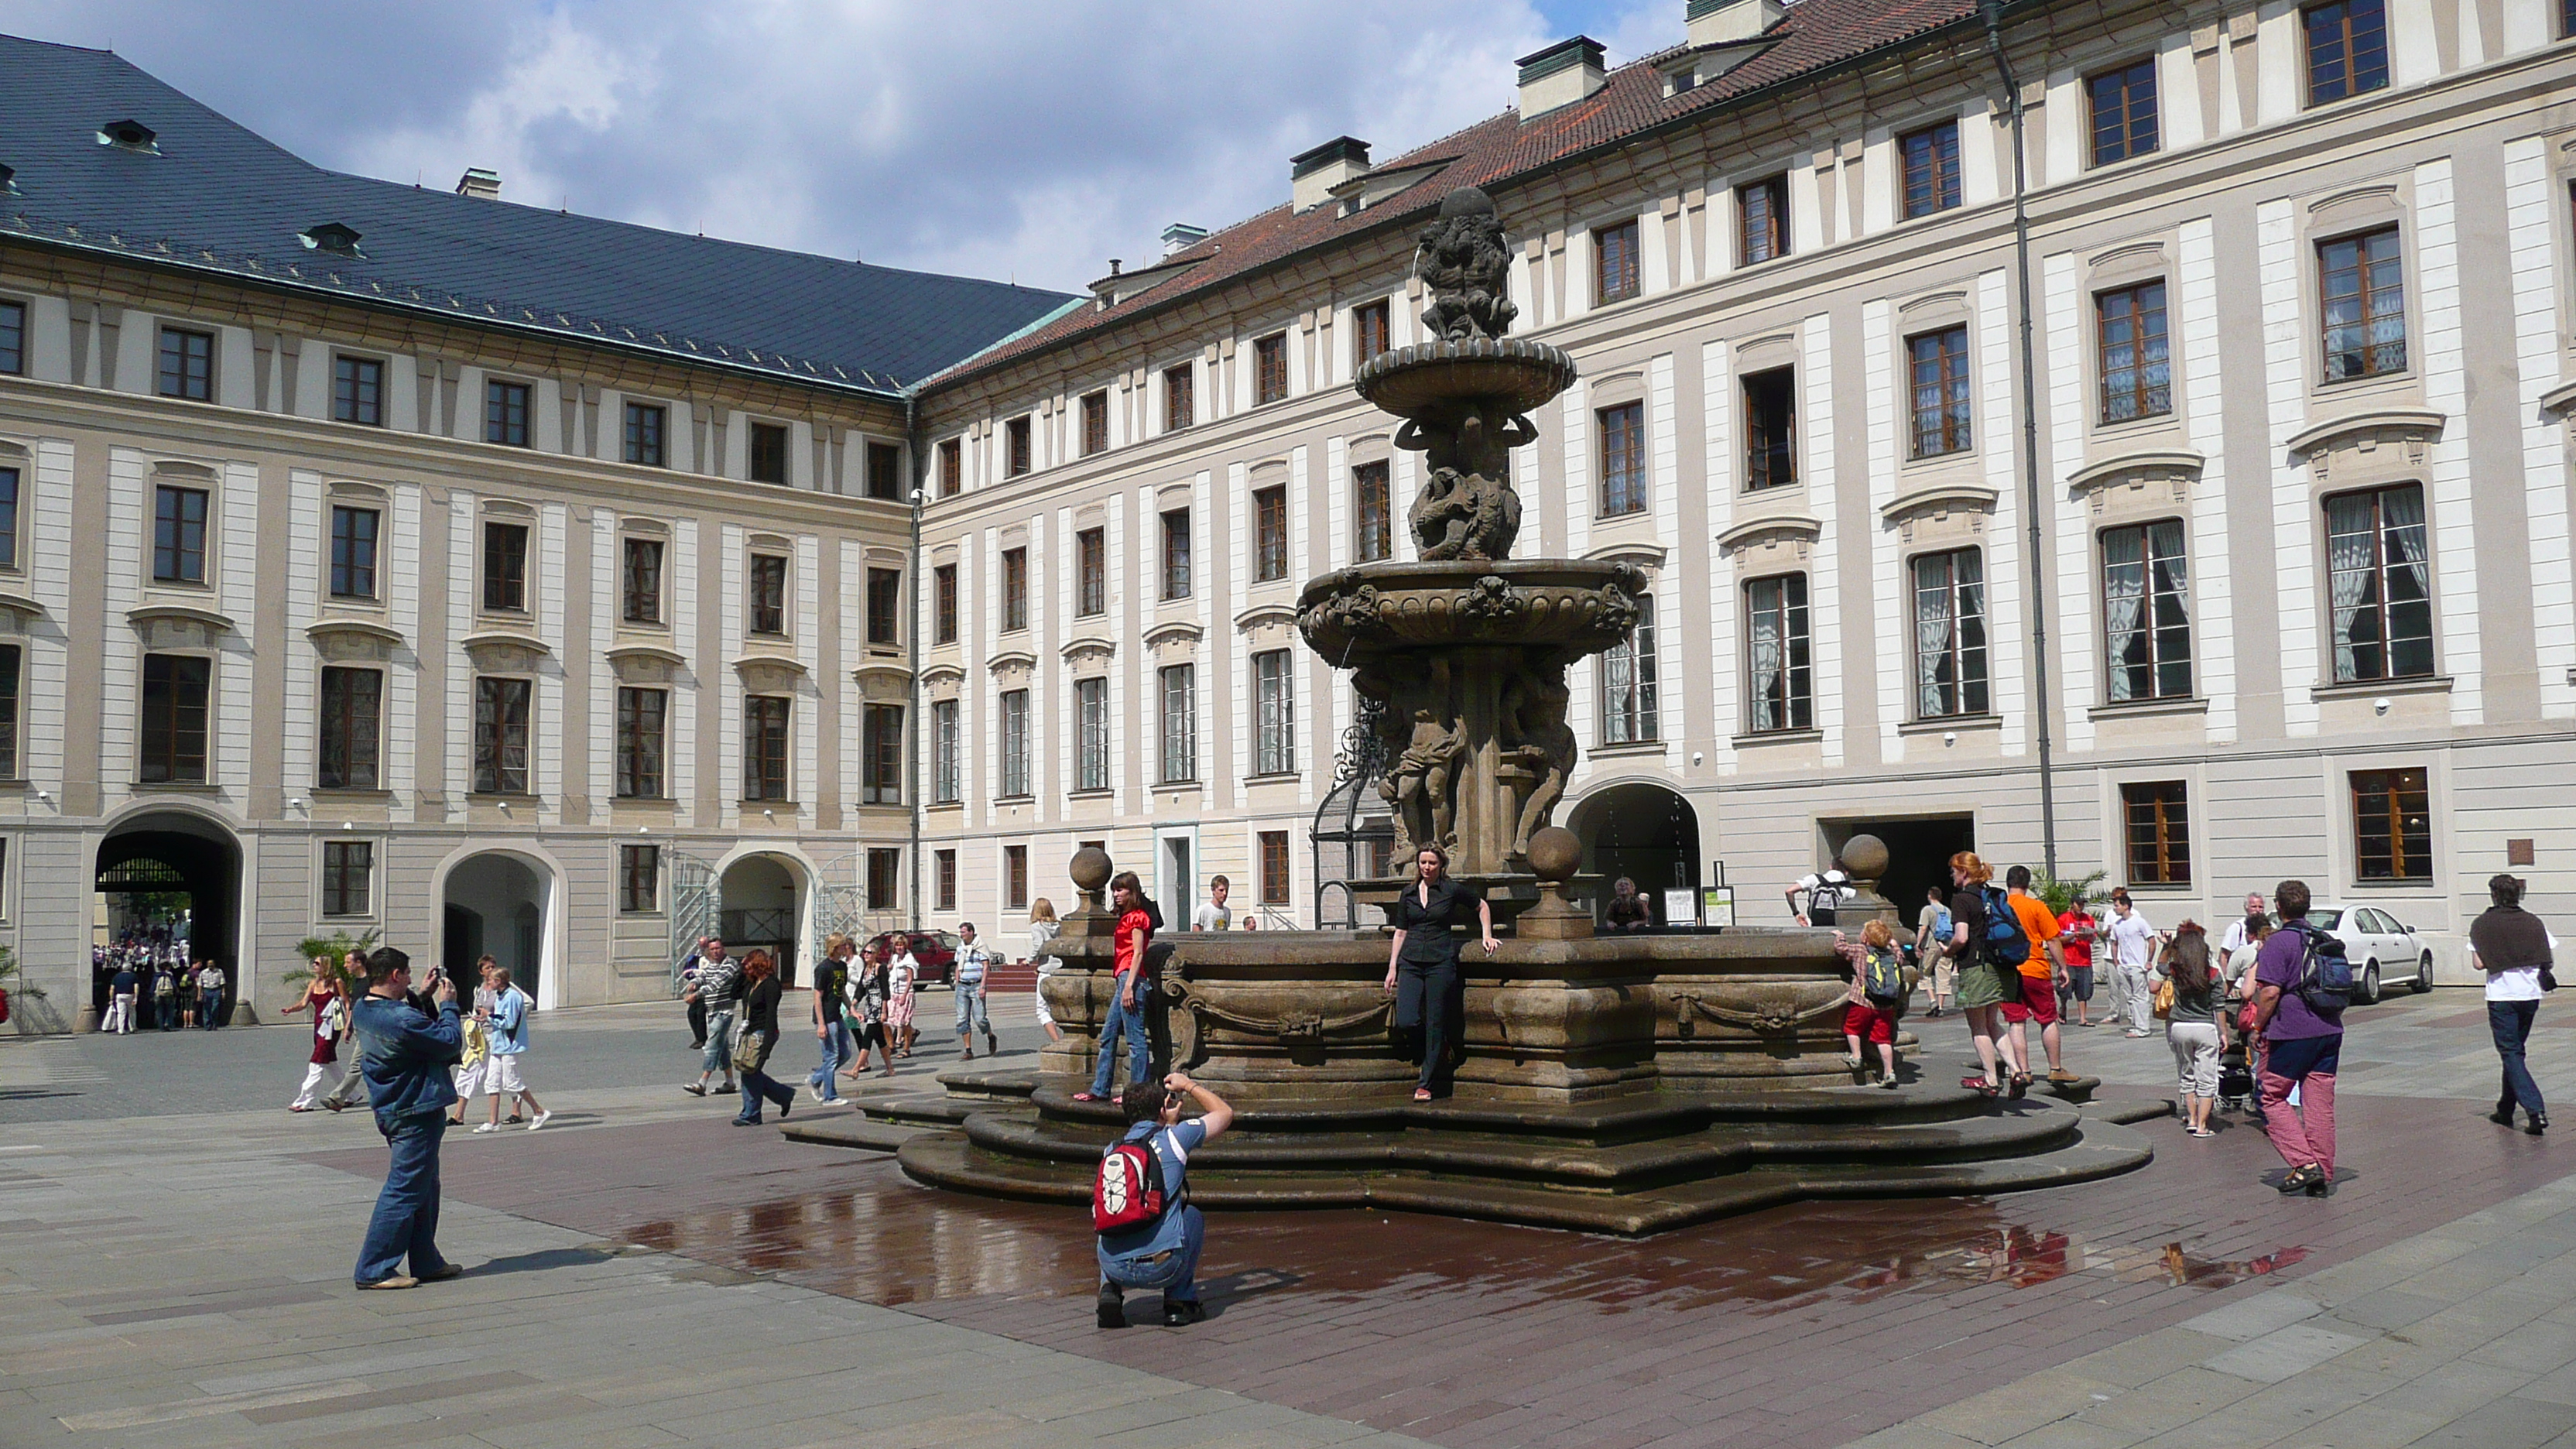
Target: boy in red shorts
[(1871, 1016), (2042, 972)]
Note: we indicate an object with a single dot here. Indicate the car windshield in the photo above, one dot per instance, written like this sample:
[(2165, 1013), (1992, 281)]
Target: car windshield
[(2326, 919)]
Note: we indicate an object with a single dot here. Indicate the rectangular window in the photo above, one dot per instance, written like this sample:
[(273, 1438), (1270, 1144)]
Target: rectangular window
[(13, 337), (1780, 679), (173, 744), (179, 535), (1015, 877), (2123, 104), (639, 879), (352, 725), (1015, 435), (1939, 364), (642, 731), (2379, 585), (1176, 554), (952, 467), (358, 390), (505, 568), (764, 747), (2157, 817), (766, 603), (1180, 723), (353, 552), (1374, 511), (1275, 712), (1091, 703), (2361, 281), (944, 785), (885, 879), (2146, 612), (187, 364), (1015, 742), (8, 518), (885, 471), (881, 754), (1274, 867), (501, 736), (2392, 825), (1091, 572), (348, 868), (645, 423), (641, 585), (1771, 429), (943, 895), (885, 606), (1761, 221), (1628, 673), (2347, 49), (1095, 423), (1949, 634), (2129, 332), (1614, 263), (1371, 334), (1270, 533), (1931, 169), (1180, 397), (1015, 589), (943, 604), (768, 453), (1270, 368), (505, 413), (1623, 459), (12, 660)]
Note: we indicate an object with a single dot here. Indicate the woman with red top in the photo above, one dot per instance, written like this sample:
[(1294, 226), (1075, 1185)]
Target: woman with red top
[(320, 993), (1126, 1013)]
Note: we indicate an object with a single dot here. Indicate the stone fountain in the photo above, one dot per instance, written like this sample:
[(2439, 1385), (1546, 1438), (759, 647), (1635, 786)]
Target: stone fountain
[(1624, 1085)]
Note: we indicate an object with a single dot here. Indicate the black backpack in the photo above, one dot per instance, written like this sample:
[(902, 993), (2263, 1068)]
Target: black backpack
[(2005, 943)]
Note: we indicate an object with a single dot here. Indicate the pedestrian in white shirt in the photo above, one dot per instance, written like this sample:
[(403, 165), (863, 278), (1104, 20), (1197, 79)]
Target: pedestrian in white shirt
[(1214, 916), (974, 963), (1043, 929), (2133, 949), (2237, 938)]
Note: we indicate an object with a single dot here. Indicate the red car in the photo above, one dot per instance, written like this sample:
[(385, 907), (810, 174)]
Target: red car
[(936, 951)]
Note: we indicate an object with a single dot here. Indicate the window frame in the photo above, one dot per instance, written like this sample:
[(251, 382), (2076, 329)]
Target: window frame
[(1626, 485), (181, 545), (1095, 422), (884, 463), (1764, 455), (643, 747), (1274, 868), (493, 728), (2353, 80), (337, 880), (12, 496), (181, 724), (1929, 182), (1972, 697), (2167, 858), (2382, 569), (1019, 447), (357, 389), (1274, 695), (508, 407), (881, 746), (764, 594), (13, 337), (640, 579), (1631, 683), (1948, 427), (505, 570), (768, 749), (639, 879), (1177, 718), (1181, 401), (351, 728), (885, 869), (2150, 626), (2125, 125), (1017, 779), (2368, 292), (647, 434), (884, 603), (1176, 555), (1796, 705), (1270, 533), (1091, 572), (194, 379), (1091, 719), (1372, 332), (1015, 877), (943, 896), (349, 577), (765, 452), (1617, 273), (1015, 589), (2149, 345), (1270, 368), (1372, 511), (2405, 847), (1772, 217), (946, 765), (13, 665), (952, 466), (943, 603)]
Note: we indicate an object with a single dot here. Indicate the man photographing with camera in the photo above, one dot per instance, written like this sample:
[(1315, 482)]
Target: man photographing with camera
[(406, 1046), (1150, 1236)]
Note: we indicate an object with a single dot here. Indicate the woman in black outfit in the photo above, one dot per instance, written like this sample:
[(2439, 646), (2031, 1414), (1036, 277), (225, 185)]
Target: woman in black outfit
[(757, 1037), (1422, 965)]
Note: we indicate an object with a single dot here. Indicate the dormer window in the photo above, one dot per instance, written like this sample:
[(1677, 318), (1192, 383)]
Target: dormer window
[(130, 136), (332, 237)]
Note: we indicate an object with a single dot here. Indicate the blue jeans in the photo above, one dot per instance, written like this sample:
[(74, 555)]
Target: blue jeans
[(971, 1015), (406, 1220), (758, 1087), (2511, 1023), (1128, 1021), (719, 1050), (836, 1053), (1174, 1270), (210, 1009)]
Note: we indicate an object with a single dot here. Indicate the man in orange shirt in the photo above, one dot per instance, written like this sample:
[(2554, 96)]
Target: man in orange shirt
[(2042, 971)]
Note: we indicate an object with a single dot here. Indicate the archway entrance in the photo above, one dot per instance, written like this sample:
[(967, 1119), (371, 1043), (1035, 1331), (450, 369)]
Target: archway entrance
[(177, 876), (1644, 832), (762, 904), (498, 904)]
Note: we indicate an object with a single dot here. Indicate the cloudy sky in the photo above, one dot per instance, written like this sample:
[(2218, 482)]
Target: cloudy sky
[(1026, 139)]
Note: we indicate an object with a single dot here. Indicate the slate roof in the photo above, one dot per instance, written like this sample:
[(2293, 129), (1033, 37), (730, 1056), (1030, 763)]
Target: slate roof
[(1812, 36), (221, 198)]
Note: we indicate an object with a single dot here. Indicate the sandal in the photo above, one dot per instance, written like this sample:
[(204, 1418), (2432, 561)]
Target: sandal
[(2021, 1084), (1078, 1096), (1422, 1094), (1980, 1086)]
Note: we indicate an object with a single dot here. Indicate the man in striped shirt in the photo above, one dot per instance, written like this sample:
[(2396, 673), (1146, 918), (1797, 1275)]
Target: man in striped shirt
[(973, 960)]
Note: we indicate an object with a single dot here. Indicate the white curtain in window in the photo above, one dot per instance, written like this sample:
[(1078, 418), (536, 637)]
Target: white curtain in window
[(2124, 592), (1769, 696), (2350, 572), (1932, 629)]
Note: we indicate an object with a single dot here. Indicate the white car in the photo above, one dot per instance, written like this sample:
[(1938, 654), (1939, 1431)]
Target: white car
[(2381, 947)]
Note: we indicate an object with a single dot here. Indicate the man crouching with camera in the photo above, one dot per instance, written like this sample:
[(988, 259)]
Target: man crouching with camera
[(1150, 1236), (406, 1047)]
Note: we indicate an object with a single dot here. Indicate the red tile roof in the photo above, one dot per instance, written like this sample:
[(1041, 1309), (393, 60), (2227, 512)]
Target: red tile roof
[(1813, 36)]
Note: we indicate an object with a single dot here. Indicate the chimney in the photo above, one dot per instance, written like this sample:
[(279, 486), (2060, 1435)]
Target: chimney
[(1715, 22), (479, 182), (1559, 76), (1312, 175), (1180, 236)]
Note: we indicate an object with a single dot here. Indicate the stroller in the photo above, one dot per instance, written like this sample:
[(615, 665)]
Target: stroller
[(2235, 1064)]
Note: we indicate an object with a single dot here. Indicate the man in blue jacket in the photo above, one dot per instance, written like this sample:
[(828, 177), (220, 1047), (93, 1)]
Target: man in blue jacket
[(407, 1055)]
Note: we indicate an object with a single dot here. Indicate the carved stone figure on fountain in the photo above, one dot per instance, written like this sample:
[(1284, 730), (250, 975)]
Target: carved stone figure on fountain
[(1425, 805), (1467, 508), (1537, 737), (1462, 260)]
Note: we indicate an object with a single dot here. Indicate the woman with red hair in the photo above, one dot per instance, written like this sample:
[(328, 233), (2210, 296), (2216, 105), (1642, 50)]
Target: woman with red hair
[(755, 1036)]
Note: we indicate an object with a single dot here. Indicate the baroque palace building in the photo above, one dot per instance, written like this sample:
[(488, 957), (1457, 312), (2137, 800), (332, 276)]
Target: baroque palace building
[(2062, 430), (384, 560), (2079, 437)]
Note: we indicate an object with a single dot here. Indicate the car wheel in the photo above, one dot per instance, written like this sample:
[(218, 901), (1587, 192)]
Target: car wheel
[(2424, 974), (2370, 984)]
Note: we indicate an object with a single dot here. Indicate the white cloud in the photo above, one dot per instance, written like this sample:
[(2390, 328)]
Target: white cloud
[(1026, 139)]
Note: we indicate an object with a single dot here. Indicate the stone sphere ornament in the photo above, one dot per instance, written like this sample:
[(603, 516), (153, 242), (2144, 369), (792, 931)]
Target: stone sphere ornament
[(1090, 868), (1865, 857), (1554, 854)]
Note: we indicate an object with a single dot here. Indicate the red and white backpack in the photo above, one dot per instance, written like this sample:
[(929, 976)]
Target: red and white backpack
[(1129, 1191)]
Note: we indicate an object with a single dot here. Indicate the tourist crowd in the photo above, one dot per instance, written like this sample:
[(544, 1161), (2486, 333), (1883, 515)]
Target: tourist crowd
[(147, 981)]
